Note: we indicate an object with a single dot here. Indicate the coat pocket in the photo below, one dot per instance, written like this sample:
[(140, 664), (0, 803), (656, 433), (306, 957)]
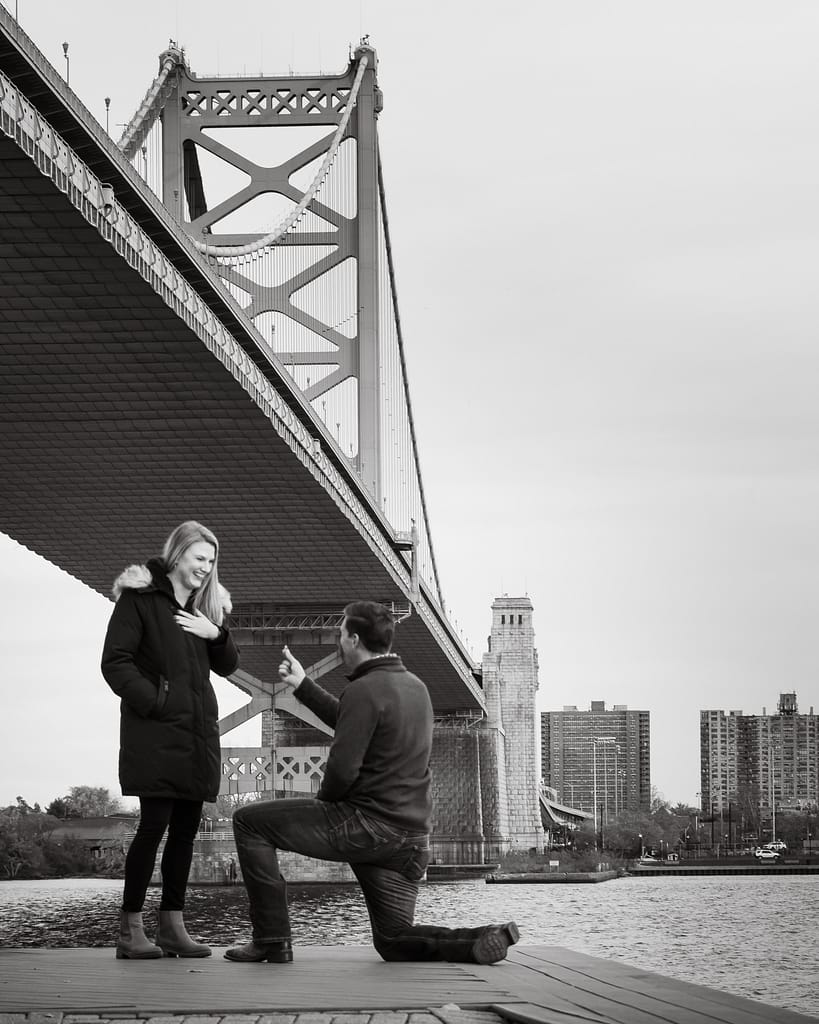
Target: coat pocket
[(161, 697)]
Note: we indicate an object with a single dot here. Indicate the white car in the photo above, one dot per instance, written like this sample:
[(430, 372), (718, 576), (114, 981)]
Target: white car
[(766, 854)]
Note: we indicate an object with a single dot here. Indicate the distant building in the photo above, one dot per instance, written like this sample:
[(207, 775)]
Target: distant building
[(101, 836), (748, 761), (597, 757)]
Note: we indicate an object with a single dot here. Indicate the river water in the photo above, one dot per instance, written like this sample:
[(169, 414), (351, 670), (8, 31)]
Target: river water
[(753, 936)]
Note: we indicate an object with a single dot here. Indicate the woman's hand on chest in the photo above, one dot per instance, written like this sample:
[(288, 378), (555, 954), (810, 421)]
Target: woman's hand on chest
[(197, 623)]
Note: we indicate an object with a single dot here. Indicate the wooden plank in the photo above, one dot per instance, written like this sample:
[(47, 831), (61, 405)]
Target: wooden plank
[(752, 1011), (711, 1002), (630, 995), (530, 1013)]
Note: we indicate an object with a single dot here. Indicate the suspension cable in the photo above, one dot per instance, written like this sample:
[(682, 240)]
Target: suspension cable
[(405, 381), (227, 251)]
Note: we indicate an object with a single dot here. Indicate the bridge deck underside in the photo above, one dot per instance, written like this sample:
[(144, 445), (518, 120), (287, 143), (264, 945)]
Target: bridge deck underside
[(116, 423)]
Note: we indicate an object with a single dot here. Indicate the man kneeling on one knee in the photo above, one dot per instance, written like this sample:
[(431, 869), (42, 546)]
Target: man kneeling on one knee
[(372, 810)]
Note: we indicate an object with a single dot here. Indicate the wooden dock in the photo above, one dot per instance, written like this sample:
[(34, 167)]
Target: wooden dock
[(535, 985), (698, 871), (552, 877)]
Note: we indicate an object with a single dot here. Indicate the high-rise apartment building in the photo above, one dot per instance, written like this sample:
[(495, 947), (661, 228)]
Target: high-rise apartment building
[(597, 760), (749, 761)]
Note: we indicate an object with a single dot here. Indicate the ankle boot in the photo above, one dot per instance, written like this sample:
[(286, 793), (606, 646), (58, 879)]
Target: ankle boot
[(174, 940), (279, 951), (133, 944)]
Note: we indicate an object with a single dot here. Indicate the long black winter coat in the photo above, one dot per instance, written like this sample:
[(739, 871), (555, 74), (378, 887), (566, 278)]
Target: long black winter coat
[(169, 732)]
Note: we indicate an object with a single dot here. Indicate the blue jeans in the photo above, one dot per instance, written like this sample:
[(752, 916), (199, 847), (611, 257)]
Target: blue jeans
[(388, 863)]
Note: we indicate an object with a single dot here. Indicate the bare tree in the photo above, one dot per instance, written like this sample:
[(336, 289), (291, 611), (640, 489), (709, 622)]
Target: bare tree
[(227, 803), (90, 802)]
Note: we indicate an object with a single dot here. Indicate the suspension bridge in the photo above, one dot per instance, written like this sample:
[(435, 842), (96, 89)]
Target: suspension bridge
[(201, 321)]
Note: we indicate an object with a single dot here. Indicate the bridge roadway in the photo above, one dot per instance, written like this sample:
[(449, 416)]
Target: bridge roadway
[(117, 421)]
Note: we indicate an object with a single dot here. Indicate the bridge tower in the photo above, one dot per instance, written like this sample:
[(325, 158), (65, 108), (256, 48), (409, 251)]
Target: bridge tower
[(510, 681), (485, 770), (295, 225)]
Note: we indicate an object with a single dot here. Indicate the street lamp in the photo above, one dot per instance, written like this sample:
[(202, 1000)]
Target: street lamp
[(67, 63), (604, 741), (642, 848), (594, 788), (773, 793), (616, 780)]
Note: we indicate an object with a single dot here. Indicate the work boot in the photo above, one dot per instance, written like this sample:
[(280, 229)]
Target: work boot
[(279, 951), (133, 944), (174, 940), (493, 944)]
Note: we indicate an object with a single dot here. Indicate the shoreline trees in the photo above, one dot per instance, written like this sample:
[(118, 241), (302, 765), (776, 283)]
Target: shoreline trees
[(34, 843)]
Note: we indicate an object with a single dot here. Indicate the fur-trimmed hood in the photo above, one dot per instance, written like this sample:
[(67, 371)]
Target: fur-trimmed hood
[(140, 577)]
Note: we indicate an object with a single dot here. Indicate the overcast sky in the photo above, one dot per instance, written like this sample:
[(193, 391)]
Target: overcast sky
[(605, 225)]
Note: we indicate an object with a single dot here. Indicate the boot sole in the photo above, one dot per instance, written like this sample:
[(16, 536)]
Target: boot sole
[(493, 946), (186, 956), (270, 958), (123, 955)]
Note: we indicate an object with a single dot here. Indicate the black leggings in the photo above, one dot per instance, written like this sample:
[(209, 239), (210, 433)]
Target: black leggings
[(181, 819)]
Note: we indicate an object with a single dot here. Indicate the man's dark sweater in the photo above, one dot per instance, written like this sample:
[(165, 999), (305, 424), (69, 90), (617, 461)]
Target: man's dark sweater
[(379, 760)]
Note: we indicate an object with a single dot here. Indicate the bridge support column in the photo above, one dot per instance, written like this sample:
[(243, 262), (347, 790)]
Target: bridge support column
[(370, 385), (457, 815)]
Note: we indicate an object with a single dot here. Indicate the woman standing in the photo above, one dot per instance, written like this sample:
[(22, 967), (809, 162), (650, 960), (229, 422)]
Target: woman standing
[(164, 638)]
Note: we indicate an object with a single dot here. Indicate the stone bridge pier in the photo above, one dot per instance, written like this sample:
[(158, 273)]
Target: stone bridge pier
[(485, 771)]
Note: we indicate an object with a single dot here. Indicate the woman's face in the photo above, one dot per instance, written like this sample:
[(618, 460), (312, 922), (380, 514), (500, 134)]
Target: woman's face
[(195, 565)]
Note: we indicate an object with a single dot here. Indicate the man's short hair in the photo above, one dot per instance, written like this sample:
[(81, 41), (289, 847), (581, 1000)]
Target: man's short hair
[(374, 623)]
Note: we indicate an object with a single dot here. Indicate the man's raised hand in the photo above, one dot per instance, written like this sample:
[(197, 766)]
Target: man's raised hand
[(290, 670)]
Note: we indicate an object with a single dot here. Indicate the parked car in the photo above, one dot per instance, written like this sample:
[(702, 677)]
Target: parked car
[(764, 854)]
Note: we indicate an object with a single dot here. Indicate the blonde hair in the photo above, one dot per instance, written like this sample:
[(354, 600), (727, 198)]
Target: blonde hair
[(207, 599)]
